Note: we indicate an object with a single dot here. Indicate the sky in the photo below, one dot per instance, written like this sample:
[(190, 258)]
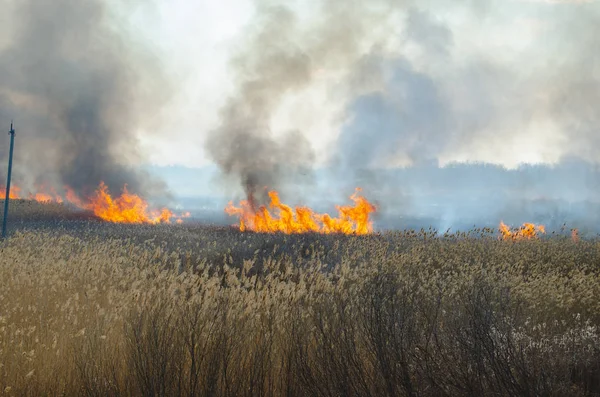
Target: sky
[(194, 40), (264, 92), (496, 63), (309, 97)]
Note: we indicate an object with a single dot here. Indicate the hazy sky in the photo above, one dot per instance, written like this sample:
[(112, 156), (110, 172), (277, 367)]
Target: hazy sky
[(501, 81), (505, 52), (195, 40)]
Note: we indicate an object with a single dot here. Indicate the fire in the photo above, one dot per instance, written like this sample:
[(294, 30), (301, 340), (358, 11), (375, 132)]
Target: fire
[(44, 194), (179, 219), (575, 235), (352, 219), (127, 208), (526, 232), (15, 192), (73, 198)]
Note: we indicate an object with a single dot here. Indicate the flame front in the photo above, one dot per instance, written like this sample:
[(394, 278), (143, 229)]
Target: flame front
[(127, 208), (45, 195), (352, 219), (526, 232), (15, 192)]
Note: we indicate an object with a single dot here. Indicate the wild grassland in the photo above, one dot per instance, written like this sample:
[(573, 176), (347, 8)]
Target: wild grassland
[(94, 309), (21, 210)]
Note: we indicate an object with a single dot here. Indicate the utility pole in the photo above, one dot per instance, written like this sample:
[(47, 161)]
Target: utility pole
[(7, 197)]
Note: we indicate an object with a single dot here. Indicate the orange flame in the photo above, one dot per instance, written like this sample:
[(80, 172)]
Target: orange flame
[(45, 195), (73, 198), (352, 219), (526, 232), (575, 235), (15, 192), (127, 208), (179, 219)]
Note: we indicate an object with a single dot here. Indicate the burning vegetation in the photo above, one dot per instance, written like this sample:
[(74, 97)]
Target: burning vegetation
[(527, 231), (575, 235), (125, 208), (352, 219), (276, 217)]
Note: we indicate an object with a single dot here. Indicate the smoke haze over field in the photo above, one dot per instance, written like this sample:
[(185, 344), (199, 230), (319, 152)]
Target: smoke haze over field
[(243, 145), (416, 83), (78, 91), (318, 97)]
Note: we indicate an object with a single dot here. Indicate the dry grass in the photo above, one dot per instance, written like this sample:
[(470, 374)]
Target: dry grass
[(31, 210), (204, 311)]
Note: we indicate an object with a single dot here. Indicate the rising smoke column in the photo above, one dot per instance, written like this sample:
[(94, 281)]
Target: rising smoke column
[(78, 91), (424, 82), (439, 97), (271, 64), (280, 56)]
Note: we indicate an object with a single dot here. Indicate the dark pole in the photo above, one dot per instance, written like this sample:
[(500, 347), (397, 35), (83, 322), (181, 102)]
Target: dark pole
[(7, 197)]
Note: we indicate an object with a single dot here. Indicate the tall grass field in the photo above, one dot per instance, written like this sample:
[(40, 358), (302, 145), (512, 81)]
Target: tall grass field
[(93, 309)]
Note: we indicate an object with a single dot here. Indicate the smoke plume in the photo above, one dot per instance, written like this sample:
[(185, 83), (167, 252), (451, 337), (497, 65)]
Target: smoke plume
[(440, 98), (78, 91), (244, 145), (280, 56), (420, 84)]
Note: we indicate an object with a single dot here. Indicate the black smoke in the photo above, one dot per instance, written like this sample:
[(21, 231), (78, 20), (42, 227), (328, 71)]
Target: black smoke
[(79, 90)]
